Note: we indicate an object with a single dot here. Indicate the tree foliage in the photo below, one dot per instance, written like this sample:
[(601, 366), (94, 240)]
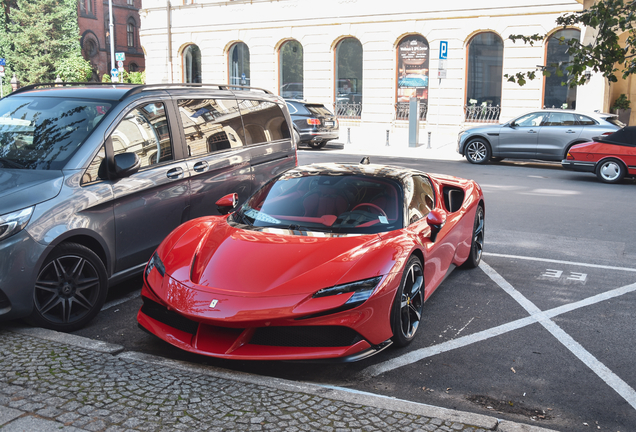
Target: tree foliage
[(128, 77), (38, 37), (604, 55)]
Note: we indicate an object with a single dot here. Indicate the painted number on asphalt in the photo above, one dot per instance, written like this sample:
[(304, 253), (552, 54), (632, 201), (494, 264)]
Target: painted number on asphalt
[(558, 274)]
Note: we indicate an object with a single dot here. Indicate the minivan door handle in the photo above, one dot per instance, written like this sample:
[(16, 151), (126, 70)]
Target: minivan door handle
[(200, 166), (175, 173)]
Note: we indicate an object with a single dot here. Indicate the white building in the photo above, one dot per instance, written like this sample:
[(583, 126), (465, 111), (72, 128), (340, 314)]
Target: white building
[(366, 58)]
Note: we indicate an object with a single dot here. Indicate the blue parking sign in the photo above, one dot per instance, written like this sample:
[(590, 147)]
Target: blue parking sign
[(443, 50), (2, 62)]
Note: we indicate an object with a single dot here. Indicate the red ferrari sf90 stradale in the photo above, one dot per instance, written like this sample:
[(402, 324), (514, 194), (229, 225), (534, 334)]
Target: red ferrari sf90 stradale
[(324, 261)]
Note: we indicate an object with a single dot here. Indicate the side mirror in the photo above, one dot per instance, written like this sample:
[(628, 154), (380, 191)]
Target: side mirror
[(126, 164), (227, 203), (436, 219)]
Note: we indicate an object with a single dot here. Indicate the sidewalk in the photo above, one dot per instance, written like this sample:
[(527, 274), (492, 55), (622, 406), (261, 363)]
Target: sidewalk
[(52, 381)]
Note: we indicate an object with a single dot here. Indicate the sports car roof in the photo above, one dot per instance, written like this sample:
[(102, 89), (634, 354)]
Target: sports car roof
[(372, 170), (624, 137)]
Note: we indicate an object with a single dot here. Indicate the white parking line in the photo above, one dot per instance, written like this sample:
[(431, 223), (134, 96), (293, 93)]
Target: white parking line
[(536, 315), (627, 269)]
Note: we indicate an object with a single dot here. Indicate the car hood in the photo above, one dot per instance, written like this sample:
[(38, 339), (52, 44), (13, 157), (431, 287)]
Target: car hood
[(212, 255), (23, 188), (485, 129)]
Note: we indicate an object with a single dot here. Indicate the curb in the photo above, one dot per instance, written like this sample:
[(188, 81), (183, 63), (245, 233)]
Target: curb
[(325, 391)]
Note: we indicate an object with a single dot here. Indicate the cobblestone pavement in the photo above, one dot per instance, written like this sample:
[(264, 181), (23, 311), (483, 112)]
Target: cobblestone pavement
[(48, 384)]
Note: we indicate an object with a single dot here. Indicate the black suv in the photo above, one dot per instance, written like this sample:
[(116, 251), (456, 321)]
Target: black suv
[(314, 124), (94, 176)]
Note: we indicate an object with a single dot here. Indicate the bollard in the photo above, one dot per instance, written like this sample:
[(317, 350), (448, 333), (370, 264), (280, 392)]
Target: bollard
[(348, 135), (387, 138), (428, 146)]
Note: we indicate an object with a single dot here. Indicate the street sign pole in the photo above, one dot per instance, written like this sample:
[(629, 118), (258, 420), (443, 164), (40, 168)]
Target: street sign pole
[(111, 27), (441, 73)]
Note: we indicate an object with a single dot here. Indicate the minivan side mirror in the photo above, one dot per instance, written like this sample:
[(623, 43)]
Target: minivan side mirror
[(126, 164), (227, 203), (436, 219)]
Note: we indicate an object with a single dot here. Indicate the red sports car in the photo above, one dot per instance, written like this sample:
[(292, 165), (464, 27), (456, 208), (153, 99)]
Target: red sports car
[(324, 261), (610, 157)]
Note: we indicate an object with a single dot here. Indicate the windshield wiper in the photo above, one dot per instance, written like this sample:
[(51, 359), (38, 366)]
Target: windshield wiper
[(6, 163), (296, 227)]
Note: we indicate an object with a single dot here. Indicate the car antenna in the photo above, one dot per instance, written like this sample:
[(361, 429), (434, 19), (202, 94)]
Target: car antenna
[(365, 160)]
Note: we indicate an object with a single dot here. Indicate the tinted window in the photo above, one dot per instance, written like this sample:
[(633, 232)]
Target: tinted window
[(144, 131), (420, 196), (263, 121), (210, 125), (531, 120), (583, 120), (325, 203), (616, 122), (319, 110), (560, 119), (44, 132)]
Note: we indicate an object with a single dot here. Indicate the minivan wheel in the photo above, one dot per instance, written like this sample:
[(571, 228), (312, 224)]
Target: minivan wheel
[(70, 288), (477, 151)]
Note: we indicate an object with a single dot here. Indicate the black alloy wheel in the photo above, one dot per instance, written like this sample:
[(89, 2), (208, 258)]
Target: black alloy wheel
[(70, 288), (408, 304), (477, 243), (477, 151)]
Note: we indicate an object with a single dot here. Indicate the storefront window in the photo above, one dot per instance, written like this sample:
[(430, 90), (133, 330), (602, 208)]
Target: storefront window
[(557, 95), (412, 58), (192, 64), (291, 70), (239, 60), (483, 89), (349, 78)]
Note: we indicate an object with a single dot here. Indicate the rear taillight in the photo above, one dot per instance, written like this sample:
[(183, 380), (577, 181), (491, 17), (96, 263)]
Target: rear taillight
[(608, 133), (313, 121), (569, 156)]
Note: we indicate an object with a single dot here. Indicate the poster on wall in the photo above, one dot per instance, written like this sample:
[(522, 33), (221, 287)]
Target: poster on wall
[(413, 56)]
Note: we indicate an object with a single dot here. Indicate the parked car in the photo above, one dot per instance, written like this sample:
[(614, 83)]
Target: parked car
[(611, 157), (543, 134), (325, 261), (93, 177), (314, 124)]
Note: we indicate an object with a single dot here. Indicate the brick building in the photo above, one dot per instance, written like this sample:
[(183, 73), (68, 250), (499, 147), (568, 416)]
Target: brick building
[(95, 37)]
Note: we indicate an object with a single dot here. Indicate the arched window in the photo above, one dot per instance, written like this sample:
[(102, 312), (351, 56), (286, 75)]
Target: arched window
[(349, 78), (412, 66), (290, 59), (555, 94), (192, 64), (132, 67), (483, 88), (239, 61), (130, 32)]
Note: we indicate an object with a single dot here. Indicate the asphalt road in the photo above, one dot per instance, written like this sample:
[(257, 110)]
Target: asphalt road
[(541, 333)]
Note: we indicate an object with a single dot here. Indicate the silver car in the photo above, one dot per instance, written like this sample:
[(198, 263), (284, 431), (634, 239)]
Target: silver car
[(543, 134), (93, 177)]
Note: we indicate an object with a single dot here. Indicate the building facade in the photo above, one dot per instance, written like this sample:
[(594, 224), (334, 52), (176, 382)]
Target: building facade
[(368, 60), (94, 24)]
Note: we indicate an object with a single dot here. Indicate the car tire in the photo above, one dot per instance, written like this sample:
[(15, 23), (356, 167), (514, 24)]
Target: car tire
[(477, 242), (317, 144), (610, 170), (478, 151), (406, 312), (70, 288)]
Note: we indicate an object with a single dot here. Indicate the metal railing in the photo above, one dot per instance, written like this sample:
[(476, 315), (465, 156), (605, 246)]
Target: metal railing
[(481, 113), (402, 110), (348, 110)]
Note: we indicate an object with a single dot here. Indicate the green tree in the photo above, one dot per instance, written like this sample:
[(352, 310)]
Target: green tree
[(604, 54), (74, 69), (38, 36), (128, 78)]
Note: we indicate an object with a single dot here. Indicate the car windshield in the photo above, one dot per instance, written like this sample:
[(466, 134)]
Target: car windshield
[(337, 204), (44, 132)]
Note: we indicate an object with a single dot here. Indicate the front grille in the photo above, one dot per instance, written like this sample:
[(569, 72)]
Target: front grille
[(306, 336), (162, 314)]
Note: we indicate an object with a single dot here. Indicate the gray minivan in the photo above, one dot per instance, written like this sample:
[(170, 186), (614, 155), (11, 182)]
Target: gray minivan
[(94, 176)]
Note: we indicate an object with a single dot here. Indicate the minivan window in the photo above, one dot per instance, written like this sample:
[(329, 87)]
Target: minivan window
[(144, 131), (210, 125), (43, 133), (263, 121)]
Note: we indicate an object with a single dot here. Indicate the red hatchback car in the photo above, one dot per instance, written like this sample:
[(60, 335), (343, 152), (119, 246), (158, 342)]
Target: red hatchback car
[(610, 157), (324, 261)]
